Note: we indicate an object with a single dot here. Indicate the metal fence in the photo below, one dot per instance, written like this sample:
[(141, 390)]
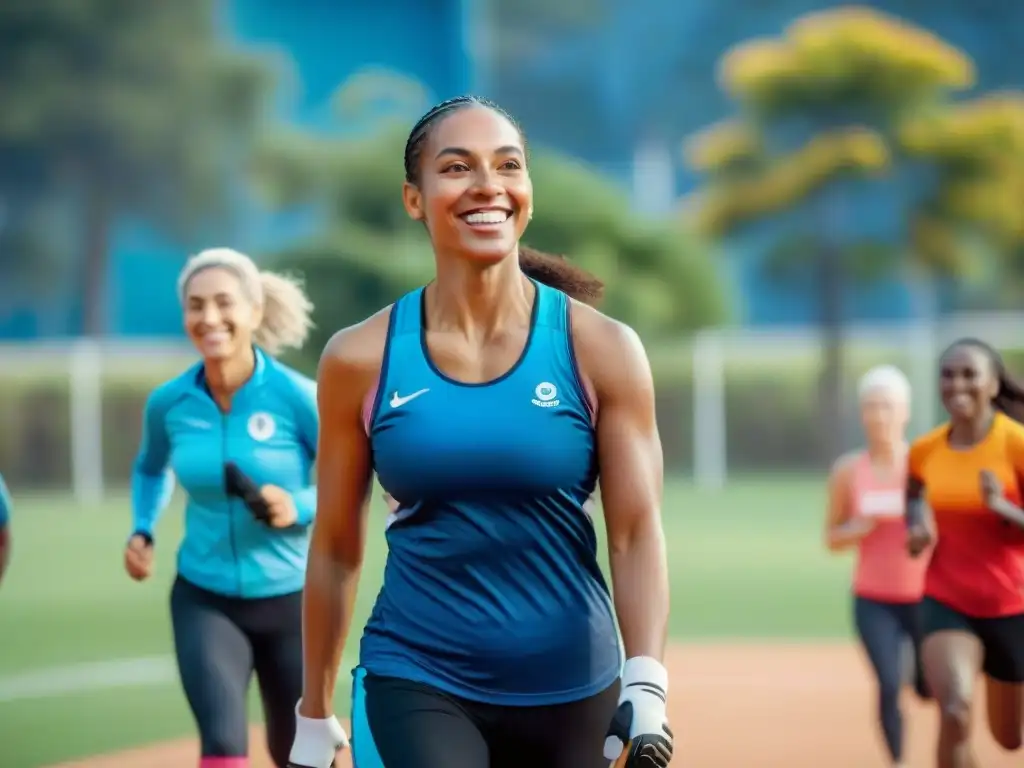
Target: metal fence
[(730, 401)]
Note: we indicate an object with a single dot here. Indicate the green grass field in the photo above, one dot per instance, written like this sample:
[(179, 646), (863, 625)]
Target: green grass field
[(85, 665)]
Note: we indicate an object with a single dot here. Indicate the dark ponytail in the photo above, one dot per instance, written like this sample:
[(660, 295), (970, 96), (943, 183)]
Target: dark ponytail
[(558, 272), (554, 271), (1010, 397)]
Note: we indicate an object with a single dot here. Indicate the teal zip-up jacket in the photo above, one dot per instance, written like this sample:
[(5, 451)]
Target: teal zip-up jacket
[(271, 434)]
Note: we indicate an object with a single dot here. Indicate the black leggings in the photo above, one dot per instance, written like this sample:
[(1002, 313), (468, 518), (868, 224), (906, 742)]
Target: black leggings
[(220, 641), (401, 724), (884, 629)]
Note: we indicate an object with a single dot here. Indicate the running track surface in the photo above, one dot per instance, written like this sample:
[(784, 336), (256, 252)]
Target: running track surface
[(773, 706)]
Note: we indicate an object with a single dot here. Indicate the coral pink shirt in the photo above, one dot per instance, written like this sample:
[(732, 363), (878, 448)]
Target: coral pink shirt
[(885, 571)]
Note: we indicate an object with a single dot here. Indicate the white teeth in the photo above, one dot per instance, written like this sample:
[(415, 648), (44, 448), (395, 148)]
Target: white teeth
[(216, 336), (486, 217)]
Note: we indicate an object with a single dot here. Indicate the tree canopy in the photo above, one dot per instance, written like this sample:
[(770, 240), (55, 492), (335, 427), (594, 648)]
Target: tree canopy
[(823, 102), (978, 149), (842, 57), (119, 109), (820, 142)]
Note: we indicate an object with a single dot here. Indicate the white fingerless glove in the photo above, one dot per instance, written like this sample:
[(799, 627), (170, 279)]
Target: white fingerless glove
[(640, 725), (316, 741)]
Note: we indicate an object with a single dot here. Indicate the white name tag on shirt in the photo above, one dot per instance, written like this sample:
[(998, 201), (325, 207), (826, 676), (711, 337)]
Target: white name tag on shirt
[(881, 503)]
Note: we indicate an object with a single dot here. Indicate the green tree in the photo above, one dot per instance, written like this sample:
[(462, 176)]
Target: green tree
[(821, 109), (977, 207), (368, 252), (121, 109), (374, 94)]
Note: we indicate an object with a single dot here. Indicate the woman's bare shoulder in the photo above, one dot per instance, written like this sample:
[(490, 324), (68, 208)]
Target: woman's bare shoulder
[(358, 350)]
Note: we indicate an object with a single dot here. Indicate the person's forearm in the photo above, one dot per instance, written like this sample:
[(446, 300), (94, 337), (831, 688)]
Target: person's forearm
[(914, 514), (327, 604), (641, 591), (1009, 511), (846, 535), (150, 494)]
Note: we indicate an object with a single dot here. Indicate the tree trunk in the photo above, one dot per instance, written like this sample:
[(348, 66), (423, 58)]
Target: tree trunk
[(831, 278), (95, 264)]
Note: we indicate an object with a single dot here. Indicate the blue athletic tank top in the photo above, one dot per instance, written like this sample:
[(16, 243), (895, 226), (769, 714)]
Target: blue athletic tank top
[(492, 589)]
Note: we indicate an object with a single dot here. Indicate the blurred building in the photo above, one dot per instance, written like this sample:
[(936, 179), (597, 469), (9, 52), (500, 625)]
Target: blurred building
[(327, 43), (616, 83)]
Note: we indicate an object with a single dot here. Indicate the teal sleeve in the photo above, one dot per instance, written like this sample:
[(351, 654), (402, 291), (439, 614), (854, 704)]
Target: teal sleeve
[(5, 504), (152, 481), (308, 421), (305, 505)]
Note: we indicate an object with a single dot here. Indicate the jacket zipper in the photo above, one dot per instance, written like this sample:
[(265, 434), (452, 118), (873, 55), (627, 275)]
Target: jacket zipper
[(231, 510)]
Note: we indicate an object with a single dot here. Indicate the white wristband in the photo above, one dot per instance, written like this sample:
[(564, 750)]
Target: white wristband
[(316, 740), (645, 669)]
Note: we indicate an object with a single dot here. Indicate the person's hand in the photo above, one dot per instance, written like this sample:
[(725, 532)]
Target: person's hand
[(639, 736), (991, 488), (317, 741), (138, 557), (280, 506)]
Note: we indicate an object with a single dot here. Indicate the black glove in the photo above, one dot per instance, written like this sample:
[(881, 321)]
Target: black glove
[(240, 485)]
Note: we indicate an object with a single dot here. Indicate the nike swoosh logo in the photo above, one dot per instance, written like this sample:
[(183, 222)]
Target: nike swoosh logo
[(398, 402)]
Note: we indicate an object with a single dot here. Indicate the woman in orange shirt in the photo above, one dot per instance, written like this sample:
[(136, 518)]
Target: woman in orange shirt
[(865, 511), (964, 496)]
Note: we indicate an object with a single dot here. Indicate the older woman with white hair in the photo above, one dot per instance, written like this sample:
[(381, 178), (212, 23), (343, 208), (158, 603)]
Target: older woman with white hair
[(865, 511), (239, 431)]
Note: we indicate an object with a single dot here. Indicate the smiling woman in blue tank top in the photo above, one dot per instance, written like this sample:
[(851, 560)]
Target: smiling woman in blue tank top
[(490, 404)]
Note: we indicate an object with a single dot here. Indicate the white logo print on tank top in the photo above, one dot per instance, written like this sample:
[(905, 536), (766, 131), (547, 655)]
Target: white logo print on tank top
[(545, 395)]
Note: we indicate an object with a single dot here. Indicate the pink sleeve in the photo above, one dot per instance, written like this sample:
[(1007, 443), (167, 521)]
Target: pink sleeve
[(368, 401), (590, 396)]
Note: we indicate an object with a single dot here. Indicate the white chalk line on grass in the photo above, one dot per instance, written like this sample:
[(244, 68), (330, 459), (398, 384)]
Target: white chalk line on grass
[(70, 679), (90, 676), (55, 682)]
